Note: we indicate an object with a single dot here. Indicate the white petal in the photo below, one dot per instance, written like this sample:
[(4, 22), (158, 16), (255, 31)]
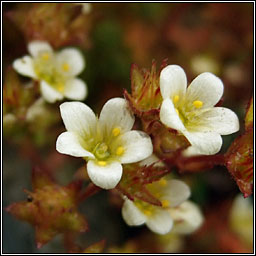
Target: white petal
[(176, 192), (221, 120), (173, 81), (203, 143), (24, 66), (160, 222), (169, 116), (137, 146), (207, 88), (150, 160), (75, 89), (116, 114), (70, 144), (36, 110), (106, 177), (36, 47), (73, 58), (78, 118), (187, 218), (131, 214), (49, 93)]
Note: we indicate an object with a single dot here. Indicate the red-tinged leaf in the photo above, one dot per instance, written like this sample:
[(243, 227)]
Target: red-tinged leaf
[(239, 161), (136, 79), (146, 94), (57, 23), (136, 177), (41, 178), (51, 208), (25, 211), (249, 115), (167, 142), (44, 235), (95, 248), (198, 163)]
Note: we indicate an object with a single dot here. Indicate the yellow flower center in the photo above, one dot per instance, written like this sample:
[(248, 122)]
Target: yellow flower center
[(198, 103), (165, 203), (60, 87), (176, 98), (116, 131), (45, 56), (101, 151), (102, 163), (65, 67), (162, 182), (120, 151)]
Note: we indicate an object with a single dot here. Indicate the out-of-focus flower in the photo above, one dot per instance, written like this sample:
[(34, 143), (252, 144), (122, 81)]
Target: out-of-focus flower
[(203, 63), (191, 111), (170, 243), (106, 143), (86, 7), (175, 211), (241, 219), (56, 71)]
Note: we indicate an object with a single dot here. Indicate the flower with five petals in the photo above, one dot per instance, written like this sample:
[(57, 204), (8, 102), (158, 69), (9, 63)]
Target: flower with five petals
[(191, 110), (106, 142), (56, 71)]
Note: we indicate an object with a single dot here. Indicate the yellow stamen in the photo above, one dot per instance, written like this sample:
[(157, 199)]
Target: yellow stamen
[(176, 98), (45, 56), (116, 131), (162, 182), (102, 163), (165, 203), (60, 87), (65, 67), (147, 212), (120, 151), (198, 103), (177, 111)]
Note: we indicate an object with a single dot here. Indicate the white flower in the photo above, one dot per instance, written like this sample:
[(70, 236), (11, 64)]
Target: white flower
[(175, 212), (191, 111), (241, 218), (56, 71), (86, 7), (105, 143)]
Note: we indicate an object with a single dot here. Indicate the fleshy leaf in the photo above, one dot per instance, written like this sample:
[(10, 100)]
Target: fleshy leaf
[(146, 94), (57, 23), (249, 115), (95, 248), (239, 161), (51, 208), (136, 177)]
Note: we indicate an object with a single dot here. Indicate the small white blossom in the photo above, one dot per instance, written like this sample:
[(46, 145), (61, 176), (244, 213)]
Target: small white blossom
[(191, 110), (241, 218), (176, 213), (56, 71), (106, 142), (86, 7)]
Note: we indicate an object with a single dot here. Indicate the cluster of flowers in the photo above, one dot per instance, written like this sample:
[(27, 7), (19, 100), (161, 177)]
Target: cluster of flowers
[(108, 141)]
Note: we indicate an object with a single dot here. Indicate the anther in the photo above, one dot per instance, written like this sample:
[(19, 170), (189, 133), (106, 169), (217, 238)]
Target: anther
[(165, 203), (162, 182), (198, 103), (116, 131), (102, 163), (176, 98), (65, 67), (120, 151)]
